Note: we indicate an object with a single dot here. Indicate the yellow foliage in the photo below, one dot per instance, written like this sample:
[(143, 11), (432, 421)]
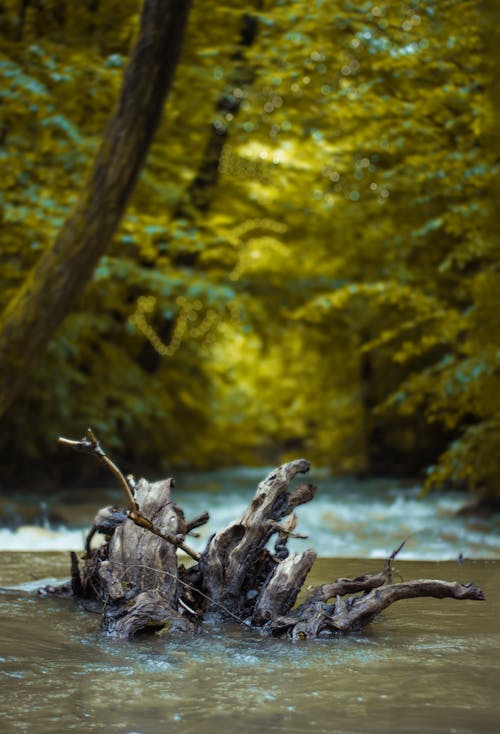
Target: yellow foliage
[(338, 284)]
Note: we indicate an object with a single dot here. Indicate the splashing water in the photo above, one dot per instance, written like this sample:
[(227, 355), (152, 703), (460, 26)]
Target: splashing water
[(348, 518)]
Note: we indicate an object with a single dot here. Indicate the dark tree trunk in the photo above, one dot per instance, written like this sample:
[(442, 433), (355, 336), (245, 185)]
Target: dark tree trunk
[(57, 280), (197, 198)]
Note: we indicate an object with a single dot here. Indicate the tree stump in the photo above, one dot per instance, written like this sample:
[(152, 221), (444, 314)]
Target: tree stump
[(136, 582)]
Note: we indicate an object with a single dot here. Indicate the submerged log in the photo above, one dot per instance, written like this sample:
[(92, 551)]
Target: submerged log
[(135, 581)]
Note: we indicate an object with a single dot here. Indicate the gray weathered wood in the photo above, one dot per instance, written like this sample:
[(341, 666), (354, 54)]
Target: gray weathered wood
[(235, 559), (281, 591), (135, 581), (136, 556), (314, 618)]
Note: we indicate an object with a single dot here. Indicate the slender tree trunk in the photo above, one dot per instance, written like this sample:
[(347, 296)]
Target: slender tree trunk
[(198, 196), (57, 280)]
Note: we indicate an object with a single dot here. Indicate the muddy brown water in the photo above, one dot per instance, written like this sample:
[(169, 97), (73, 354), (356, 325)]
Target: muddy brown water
[(425, 666)]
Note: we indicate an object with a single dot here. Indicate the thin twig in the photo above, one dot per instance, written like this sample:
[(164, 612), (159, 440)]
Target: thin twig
[(388, 564), (284, 532), (399, 548), (91, 445), (141, 521)]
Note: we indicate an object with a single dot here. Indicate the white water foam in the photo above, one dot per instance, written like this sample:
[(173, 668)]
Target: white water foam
[(347, 519), (34, 538)]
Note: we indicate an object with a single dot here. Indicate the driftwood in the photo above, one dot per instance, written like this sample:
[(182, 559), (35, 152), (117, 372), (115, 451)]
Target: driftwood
[(135, 582)]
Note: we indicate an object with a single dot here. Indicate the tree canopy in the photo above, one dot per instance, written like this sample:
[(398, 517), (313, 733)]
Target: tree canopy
[(309, 261)]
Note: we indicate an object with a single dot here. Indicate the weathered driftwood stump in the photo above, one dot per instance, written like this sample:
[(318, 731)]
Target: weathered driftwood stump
[(135, 581)]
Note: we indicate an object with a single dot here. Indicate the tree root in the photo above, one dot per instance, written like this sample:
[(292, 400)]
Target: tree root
[(135, 582)]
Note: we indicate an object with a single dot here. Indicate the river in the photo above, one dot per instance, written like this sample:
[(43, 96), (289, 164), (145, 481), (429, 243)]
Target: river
[(425, 665), (348, 518)]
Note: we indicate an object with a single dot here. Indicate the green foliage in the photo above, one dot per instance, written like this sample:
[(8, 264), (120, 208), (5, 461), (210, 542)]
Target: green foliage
[(338, 285)]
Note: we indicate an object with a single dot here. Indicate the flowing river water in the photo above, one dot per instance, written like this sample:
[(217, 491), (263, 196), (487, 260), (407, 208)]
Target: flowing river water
[(425, 665)]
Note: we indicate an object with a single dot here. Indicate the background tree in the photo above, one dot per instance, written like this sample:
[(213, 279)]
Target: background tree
[(62, 271), (334, 292)]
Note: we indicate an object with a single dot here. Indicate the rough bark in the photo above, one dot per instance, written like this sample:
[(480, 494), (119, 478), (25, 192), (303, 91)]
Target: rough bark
[(280, 592), (135, 555), (60, 275), (236, 564), (135, 580), (135, 576), (315, 618)]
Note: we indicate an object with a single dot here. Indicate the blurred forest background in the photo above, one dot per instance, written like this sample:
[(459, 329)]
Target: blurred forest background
[(308, 264)]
